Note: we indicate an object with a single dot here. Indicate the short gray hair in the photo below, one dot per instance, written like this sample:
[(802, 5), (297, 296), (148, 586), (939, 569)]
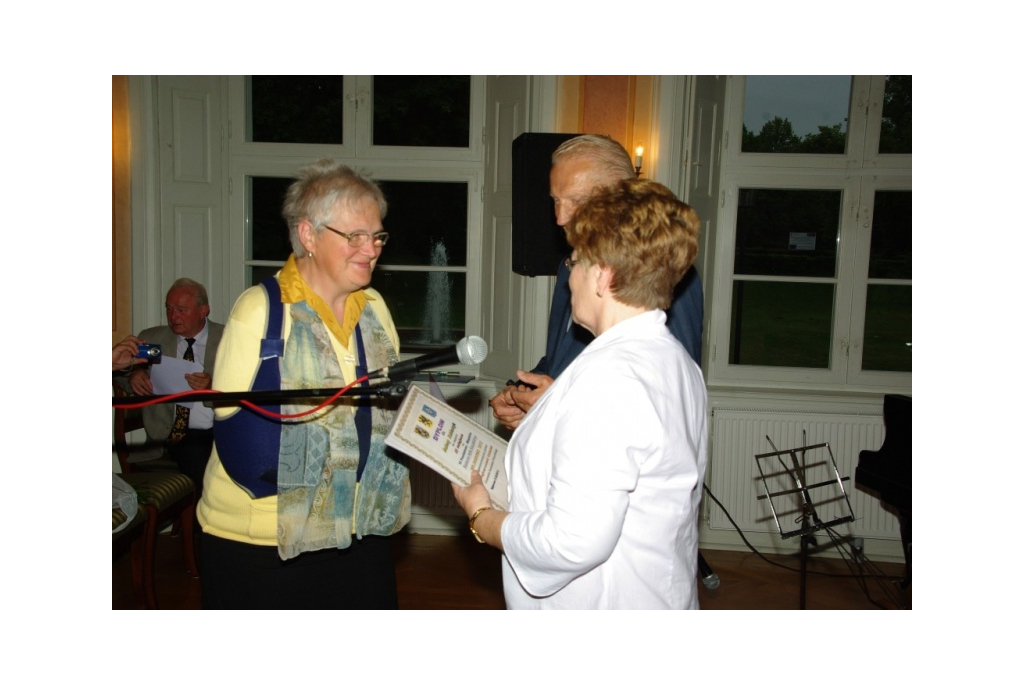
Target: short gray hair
[(197, 288), (319, 187), (611, 161)]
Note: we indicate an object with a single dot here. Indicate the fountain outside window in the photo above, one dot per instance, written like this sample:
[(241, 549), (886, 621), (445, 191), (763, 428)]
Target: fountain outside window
[(437, 315)]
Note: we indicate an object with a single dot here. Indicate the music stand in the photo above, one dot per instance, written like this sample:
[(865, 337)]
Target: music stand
[(793, 483)]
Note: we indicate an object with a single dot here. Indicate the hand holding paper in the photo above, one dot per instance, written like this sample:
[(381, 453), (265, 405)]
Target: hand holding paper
[(472, 498), (450, 443), (169, 376)]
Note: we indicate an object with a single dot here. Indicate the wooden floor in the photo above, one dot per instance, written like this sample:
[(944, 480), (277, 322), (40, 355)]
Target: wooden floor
[(443, 572)]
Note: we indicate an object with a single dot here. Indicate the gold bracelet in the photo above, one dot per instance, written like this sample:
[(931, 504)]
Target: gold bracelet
[(472, 520)]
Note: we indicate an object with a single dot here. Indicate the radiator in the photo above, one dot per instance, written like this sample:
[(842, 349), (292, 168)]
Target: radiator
[(733, 476)]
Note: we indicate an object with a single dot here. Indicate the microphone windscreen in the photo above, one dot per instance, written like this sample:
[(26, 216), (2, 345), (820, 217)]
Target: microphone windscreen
[(471, 350)]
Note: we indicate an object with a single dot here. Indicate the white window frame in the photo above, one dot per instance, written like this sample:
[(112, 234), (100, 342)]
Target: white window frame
[(858, 175), (862, 235), (379, 162)]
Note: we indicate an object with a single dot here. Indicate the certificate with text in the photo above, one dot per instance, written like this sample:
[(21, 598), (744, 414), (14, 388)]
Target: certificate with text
[(449, 442)]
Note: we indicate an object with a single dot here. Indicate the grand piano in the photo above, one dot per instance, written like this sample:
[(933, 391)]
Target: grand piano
[(886, 473)]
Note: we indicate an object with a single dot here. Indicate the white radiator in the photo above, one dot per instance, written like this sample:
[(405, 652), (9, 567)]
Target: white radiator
[(737, 435)]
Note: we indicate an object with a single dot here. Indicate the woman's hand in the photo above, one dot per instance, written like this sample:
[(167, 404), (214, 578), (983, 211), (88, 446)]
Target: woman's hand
[(475, 500), (473, 497)]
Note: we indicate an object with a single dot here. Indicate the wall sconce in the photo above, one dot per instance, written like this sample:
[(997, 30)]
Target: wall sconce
[(638, 161)]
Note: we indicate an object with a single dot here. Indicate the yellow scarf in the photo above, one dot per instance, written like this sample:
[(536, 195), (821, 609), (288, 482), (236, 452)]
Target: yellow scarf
[(295, 289)]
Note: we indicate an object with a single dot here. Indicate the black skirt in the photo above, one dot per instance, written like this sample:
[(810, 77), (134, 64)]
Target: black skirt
[(236, 575)]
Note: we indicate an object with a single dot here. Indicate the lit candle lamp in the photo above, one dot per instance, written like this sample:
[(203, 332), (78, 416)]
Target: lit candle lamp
[(639, 161)]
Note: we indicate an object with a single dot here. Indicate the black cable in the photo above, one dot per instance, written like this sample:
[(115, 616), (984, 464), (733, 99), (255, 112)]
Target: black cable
[(861, 577), (784, 566)]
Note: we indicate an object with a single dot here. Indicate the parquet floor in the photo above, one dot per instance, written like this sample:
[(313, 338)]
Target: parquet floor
[(444, 572)]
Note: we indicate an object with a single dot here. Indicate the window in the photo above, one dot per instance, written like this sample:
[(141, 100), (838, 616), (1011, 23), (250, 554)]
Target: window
[(296, 109), (804, 114), (818, 213), (419, 137), (785, 251)]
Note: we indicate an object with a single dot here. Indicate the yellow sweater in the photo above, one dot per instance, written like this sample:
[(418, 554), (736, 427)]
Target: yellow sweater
[(225, 509)]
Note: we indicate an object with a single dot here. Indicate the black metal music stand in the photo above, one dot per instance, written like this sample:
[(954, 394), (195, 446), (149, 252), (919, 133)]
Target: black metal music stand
[(792, 484)]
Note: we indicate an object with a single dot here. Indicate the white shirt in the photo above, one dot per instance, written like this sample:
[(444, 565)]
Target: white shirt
[(200, 417), (605, 476)]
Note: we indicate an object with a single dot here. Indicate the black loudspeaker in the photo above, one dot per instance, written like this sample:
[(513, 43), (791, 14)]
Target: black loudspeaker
[(538, 243)]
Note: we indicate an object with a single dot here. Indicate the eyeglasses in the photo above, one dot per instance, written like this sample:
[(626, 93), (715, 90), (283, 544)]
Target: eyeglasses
[(570, 263), (359, 239)]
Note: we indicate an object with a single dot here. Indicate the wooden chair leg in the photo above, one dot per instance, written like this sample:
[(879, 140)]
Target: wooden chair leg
[(138, 555), (149, 558), (188, 515)]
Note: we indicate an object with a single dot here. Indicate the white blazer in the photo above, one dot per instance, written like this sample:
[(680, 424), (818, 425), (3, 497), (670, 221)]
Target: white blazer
[(605, 476)]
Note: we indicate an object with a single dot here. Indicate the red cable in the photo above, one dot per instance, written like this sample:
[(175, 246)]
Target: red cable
[(247, 403)]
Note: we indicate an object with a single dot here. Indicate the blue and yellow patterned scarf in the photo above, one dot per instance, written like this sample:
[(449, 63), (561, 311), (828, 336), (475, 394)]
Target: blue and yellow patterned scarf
[(322, 500)]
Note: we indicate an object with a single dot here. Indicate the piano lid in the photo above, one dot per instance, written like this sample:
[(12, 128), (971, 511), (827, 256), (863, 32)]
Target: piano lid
[(888, 471)]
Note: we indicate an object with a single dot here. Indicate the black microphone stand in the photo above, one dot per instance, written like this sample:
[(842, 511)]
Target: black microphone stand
[(389, 388)]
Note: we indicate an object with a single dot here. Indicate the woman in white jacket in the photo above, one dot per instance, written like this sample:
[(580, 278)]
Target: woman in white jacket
[(605, 472)]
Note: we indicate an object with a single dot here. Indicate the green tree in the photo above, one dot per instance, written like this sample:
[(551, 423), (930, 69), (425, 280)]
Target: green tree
[(829, 140), (775, 136), (896, 120)]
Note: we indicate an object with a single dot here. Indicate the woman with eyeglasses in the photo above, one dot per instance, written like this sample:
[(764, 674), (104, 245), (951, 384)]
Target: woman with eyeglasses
[(296, 511), (605, 471)]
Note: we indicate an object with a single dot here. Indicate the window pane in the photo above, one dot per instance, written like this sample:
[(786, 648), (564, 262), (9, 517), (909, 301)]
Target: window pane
[(891, 235), (781, 324), (269, 237), (258, 273), (887, 329), (431, 111), (895, 135), (804, 114), (422, 215), (296, 109), (787, 232), (427, 307)]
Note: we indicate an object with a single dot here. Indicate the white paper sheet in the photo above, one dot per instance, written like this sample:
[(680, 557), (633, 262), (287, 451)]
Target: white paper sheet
[(168, 376)]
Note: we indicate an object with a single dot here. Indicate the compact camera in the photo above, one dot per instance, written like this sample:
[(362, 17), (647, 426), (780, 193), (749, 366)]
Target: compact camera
[(147, 351)]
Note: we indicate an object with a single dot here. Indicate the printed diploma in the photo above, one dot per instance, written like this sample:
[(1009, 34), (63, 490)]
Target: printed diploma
[(432, 432)]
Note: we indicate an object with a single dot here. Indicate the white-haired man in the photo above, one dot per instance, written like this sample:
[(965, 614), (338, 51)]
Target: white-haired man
[(579, 167)]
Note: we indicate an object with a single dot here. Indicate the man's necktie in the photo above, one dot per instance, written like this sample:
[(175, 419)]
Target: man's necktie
[(181, 413)]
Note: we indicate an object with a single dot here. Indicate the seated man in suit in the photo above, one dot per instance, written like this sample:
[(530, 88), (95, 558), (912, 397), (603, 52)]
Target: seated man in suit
[(186, 433)]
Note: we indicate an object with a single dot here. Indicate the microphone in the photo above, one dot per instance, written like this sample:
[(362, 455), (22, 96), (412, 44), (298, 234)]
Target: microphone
[(707, 574), (469, 350)]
